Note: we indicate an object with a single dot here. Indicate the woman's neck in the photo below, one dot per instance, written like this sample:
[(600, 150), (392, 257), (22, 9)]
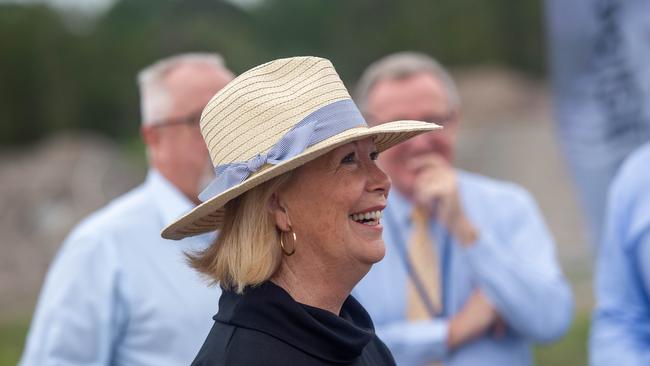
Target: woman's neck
[(320, 286)]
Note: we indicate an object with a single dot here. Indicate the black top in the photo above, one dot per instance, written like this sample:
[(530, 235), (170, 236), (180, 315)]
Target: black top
[(265, 326)]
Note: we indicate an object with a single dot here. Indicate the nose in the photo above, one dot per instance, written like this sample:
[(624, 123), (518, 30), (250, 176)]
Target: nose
[(378, 181)]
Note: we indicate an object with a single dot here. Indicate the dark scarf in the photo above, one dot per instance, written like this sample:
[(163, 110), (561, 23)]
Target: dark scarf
[(270, 309)]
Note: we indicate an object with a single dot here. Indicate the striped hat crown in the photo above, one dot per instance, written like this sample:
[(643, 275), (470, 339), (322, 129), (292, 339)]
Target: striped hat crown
[(272, 119), (257, 108)]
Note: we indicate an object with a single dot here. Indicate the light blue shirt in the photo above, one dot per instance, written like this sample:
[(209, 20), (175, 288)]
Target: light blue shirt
[(119, 294), (513, 262), (620, 333)]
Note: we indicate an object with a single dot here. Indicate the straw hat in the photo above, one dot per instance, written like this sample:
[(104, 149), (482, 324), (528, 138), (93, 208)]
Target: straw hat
[(272, 119)]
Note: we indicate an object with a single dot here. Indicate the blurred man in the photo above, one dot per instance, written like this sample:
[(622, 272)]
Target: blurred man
[(620, 334), (117, 293), (601, 91), (470, 275)]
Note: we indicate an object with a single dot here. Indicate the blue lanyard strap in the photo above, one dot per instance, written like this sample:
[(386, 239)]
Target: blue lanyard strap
[(415, 277)]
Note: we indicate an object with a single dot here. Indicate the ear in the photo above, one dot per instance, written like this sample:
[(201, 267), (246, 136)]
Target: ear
[(279, 212), (149, 135)]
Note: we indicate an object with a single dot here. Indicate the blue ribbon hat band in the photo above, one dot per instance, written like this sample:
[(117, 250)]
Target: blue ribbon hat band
[(321, 124)]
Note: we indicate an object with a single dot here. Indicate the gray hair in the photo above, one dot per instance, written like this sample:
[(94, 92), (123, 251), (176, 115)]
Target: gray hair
[(154, 96), (403, 65)]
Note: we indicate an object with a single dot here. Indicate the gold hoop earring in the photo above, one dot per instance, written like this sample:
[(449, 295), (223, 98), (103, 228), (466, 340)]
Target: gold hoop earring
[(284, 250)]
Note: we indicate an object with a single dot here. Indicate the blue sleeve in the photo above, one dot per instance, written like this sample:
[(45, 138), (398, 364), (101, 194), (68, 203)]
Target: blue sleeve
[(516, 267), (416, 343), (620, 332), (620, 326), (644, 266), (79, 315)]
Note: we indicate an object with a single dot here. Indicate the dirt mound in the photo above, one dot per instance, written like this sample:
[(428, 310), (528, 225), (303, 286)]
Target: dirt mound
[(44, 191)]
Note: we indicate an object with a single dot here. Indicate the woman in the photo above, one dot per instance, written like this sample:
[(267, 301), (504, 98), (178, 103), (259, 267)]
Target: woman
[(297, 199)]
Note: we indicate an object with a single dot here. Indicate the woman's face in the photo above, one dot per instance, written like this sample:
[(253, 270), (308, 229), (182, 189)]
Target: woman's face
[(334, 206)]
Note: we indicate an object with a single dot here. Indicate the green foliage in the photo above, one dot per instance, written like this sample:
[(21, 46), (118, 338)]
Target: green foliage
[(571, 350), (35, 96), (52, 78), (12, 338)]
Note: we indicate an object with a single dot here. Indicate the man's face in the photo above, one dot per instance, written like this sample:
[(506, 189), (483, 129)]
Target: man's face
[(420, 97), (179, 149)]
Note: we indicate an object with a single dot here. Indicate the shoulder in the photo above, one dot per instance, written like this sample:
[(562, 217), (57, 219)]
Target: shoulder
[(477, 189), (377, 353), (629, 197), (633, 178), (123, 217), (119, 214), (231, 345), (268, 350)]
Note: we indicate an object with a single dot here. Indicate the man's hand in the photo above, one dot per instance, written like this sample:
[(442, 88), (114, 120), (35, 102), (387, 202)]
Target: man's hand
[(436, 190), (475, 319)]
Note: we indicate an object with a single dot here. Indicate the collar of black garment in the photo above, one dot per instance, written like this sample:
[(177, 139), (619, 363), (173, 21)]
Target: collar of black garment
[(270, 309)]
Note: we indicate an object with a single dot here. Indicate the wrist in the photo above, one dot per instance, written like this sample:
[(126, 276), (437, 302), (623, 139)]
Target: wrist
[(465, 231), (458, 331), (453, 333)]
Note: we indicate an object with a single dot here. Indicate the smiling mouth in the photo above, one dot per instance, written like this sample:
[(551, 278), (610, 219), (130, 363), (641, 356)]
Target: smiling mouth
[(370, 218)]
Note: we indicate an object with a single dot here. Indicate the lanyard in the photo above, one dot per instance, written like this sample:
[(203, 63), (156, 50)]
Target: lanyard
[(415, 277)]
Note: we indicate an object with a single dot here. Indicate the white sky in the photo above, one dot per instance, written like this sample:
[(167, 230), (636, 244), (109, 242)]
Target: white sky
[(84, 6), (98, 6)]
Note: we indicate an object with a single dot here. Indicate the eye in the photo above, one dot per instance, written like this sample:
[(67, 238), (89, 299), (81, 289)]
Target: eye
[(374, 155), (349, 158)]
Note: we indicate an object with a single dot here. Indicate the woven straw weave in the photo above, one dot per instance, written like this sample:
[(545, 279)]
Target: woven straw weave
[(256, 109)]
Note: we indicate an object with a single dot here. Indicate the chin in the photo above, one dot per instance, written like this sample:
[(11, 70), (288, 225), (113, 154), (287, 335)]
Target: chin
[(374, 252)]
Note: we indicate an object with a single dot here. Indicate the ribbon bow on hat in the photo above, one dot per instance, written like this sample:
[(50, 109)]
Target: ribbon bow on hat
[(316, 127), (272, 119)]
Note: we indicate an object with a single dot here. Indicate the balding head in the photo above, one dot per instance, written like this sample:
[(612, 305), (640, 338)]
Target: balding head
[(155, 98), (174, 91), (403, 65), (411, 86)]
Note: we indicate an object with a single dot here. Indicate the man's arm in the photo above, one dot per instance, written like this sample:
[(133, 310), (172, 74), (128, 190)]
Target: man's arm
[(643, 263), (619, 326), (423, 342), (79, 312), (416, 343), (621, 319), (517, 269)]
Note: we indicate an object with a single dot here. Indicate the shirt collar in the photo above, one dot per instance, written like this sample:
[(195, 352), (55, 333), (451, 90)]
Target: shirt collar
[(171, 202)]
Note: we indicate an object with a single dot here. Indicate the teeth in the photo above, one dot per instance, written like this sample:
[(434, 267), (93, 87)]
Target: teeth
[(373, 216)]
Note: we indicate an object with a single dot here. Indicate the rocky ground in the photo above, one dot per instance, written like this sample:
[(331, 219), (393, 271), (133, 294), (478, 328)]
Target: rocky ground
[(44, 191), (506, 133)]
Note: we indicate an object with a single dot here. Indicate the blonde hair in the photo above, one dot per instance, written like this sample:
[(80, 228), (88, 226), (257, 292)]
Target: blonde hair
[(247, 251)]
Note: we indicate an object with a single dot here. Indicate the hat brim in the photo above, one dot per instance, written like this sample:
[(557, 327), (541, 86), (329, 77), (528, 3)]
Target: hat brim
[(208, 216)]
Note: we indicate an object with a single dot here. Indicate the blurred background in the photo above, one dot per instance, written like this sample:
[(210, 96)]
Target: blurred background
[(69, 114)]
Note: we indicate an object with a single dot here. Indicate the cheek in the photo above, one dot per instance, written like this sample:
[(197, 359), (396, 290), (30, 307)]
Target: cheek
[(394, 162), (195, 146), (390, 161), (333, 204), (320, 222), (443, 138)]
